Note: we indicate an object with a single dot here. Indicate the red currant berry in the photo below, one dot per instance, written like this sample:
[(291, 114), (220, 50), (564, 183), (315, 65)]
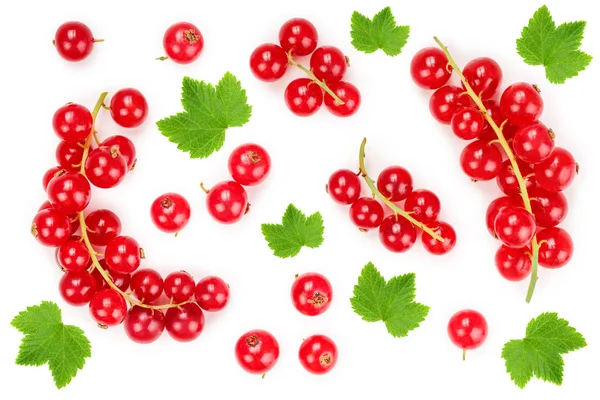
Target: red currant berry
[(69, 192), (73, 256), (344, 186), (298, 36), (437, 247), (311, 293), (120, 280), (556, 172), (123, 254), (227, 202), (128, 108), (348, 93), (257, 351), (522, 104), (533, 143), (124, 146), (484, 76), (183, 42), (268, 62), (423, 205), (69, 155), (108, 307), (507, 180), (51, 227), (144, 325), (429, 68), (446, 101), (397, 234), (467, 123), (249, 164), (74, 41), (179, 286), (366, 213), (303, 97), (481, 161), (549, 208), (514, 226), (50, 174), (513, 264), (74, 219), (467, 329), (495, 112), (72, 123), (395, 183), (105, 167), (318, 354), (170, 212), (556, 247), (77, 288), (328, 63), (185, 322), (146, 284), (494, 208), (102, 226), (212, 293)]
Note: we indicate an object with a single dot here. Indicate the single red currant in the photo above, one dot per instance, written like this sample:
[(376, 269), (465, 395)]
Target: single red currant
[(144, 325), (170, 212), (514, 264), (212, 293), (507, 180), (69, 155), (73, 256), (437, 247), (467, 123), (514, 226), (74, 41), (124, 146), (69, 192), (395, 183), (366, 213), (108, 307), (102, 226), (328, 63), (227, 202), (484, 76), (318, 354), (429, 68), (77, 288), (128, 108), (120, 280), (344, 186), (51, 227), (481, 161), (495, 112), (72, 123), (556, 172), (311, 293), (549, 208), (446, 101), (533, 143), (397, 234), (298, 36), (185, 322), (183, 42), (249, 164), (303, 97), (257, 351), (522, 104), (556, 247), (105, 167), (467, 329), (346, 92), (179, 286), (268, 62), (494, 208), (423, 205), (50, 174), (146, 284), (123, 254)]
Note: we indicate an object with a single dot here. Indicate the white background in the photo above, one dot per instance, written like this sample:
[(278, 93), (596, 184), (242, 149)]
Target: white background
[(394, 116)]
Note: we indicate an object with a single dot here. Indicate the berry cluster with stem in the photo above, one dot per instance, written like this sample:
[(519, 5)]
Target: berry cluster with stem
[(312, 76)]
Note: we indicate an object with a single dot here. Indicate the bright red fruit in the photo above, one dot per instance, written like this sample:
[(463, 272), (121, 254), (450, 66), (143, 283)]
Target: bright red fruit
[(556, 172), (344, 186), (77, 288), (514, 226), (146, 284), (249, 164), (481, 161), (184, 323), (346, 92), (507, 180), (227, 202), (397, 234), (123, 254), (556, 247), (521, 103), (366, 213), (51, 227), (494, 208), (212, 293), (73, 256), (50, 174), (495, 112), (395, 183), (299, 36), (124, 146), (318, 354), (514, 264), (437, 247), (179, 286), (69, 155), (467, 123), (69, 192), (108, 307), (429, 68), (144, 325), (72, 123), (303, 97), (103, 226), (467, 329), (120, 280), (170, 212), (484, 76), (549, 208), (105, 167), (446, 101), (183, 42), (423, 205), (328, 63), (74, 41), (268, 62), (128, 108), (533, 143), (257, 351), (311, 293)]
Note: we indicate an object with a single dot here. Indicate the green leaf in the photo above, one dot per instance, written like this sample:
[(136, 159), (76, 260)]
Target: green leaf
[(539, 354), (209, 111), (380, 33), (47, 340), (392, 302), (295, 231), (556, 48)]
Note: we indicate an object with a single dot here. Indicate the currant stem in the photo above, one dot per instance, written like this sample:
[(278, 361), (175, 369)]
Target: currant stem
[(88, 141), (315, 79), (464, 354), (397, 210), (511, 157)]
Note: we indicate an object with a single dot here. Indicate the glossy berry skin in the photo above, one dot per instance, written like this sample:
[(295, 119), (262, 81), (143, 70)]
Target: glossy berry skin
[(73, 256), (436, 247), (51, 227), (467, 329), (170, 212), (556, 248), (72, 123), (328, 63), (74, 218), (557, 172), (249, 164), (123, 255), (105, 167), (120, 280), (179, 286), (212, 293), (49, 175), (227, 202), (311, 293), (446, 101), (514, 226), (103, 226), (533, 143), (146, 284), (467, 123), (69, 155), (494, 208), (429, 68), (522, 104), (397, 234), (423, 205), (257, 351), (69, 192), (299, 36), (144, 325), (507, 180), (124, 146), (366, 213), (77, 288), (108, 307), (318, 354), (481, 161), (346, 92), (495, 112), (395, 183), (183, 42), (549, 208), (303, 97), (74, 41), (484, 76), (128, 108), (268, 62), (344, 186), (514, 264), (184, 323)]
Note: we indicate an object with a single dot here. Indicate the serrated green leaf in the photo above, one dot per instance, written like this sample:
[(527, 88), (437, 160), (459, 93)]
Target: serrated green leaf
[(37, 317), (380, 33), (369, 299)]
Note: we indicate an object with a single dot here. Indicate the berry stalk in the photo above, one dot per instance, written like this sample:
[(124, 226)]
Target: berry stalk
[(315, 79), (397, 210), (513, 161)]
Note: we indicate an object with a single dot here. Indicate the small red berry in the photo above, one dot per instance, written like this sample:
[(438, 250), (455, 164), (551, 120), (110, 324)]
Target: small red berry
[(103, 226), (185, 322), (72, 123), (429, 68), (311, 293), (344, 186), (423, 205), (128, 108), (397, 234), (183, 42), (346, 92), (438, 247), (268, 62), (146, 284), (51, 227), (170, 212), (298, 36), (227, 202), (366, 213), (328, 63), (249, 164), (124, 146), (514, 264), (74, 41), (318, 354), (179, 286), (257, 351), (108, 307), (303, 97), (123, 254), (77, 288), (212, 293), (467, 329), (144, 325)]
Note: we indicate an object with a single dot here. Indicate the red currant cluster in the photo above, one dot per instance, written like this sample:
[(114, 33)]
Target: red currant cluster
[(511, 145), (100, 265), (227, 201), (304, 96)]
